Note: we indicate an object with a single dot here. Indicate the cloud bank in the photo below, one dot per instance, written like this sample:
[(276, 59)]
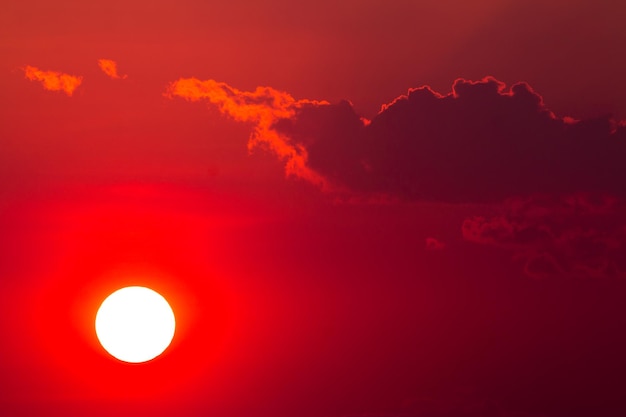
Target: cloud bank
[(555, 183), (482, 142), (53, 80)]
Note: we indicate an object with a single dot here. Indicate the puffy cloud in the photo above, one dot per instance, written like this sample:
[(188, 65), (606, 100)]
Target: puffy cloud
[(482, 142), (53, 80), (581, 235), (263, 107), (109, 67)]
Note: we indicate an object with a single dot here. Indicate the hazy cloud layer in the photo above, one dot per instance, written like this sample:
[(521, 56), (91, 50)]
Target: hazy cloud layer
[(579, 235), (53, 80), (109, 67)]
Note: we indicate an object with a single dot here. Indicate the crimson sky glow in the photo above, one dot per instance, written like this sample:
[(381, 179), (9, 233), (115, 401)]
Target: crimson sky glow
[(402, 209)]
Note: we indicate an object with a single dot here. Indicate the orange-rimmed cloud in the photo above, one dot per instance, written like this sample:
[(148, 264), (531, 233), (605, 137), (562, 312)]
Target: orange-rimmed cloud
[(265, 106), (482, 142), (53, 80), (109, 67)]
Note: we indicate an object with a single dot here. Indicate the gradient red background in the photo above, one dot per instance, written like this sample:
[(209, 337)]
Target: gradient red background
[(292, 300)]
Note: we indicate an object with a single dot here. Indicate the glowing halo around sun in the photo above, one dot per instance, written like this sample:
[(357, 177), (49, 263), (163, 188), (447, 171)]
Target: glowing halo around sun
[(135, 324)]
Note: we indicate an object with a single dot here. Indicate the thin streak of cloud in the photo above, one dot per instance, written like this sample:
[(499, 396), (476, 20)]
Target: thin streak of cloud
[(109, 67), (53, 80)]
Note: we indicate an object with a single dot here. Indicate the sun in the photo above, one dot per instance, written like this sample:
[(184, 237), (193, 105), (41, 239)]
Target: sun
[(135, 324)]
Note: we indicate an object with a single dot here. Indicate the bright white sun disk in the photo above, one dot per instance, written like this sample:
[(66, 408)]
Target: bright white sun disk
[(135, 324)]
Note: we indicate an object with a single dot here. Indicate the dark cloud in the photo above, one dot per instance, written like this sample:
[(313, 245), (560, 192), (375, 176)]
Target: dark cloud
[(579, 235), (482, 142), (561, 180)]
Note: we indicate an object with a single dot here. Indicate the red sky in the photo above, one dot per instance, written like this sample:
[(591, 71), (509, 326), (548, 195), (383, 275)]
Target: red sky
[(407, 208)]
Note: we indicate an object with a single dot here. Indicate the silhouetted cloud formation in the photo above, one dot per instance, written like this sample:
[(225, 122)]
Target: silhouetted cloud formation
[(557, 184), (53, 80), (482, 142)]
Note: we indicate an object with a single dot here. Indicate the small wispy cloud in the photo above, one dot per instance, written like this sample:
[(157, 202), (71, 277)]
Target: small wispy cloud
[(53, 80), (265, 106), (109, 67)]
